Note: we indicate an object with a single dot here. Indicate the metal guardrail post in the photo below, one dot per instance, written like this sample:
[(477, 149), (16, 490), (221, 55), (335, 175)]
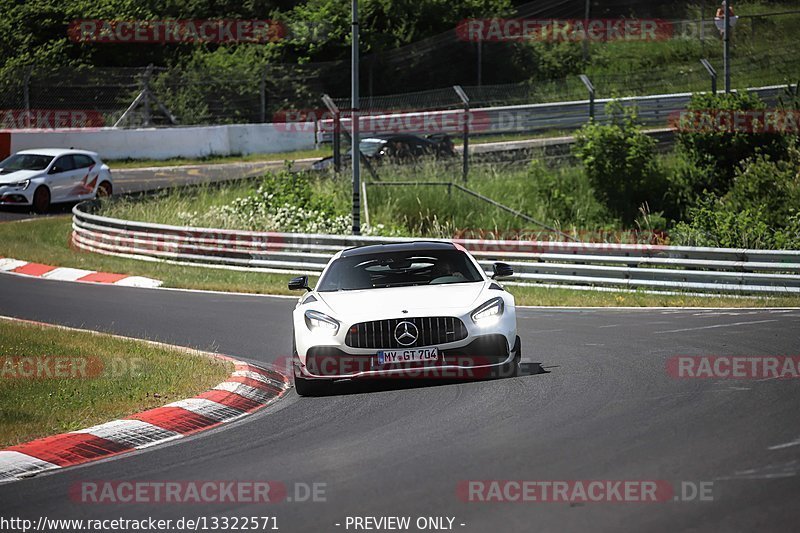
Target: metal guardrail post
[(465, 100), (590, 87), (337, 133), (262, 92), (712, 73)]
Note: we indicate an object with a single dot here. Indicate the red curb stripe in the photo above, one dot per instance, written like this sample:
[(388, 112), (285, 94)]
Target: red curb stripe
[(175, 419), (34, 269), (103, 277), (69, 449), (256, 384), (231, 399)]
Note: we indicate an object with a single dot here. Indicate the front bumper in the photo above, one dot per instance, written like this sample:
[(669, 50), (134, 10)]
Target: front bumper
[(475, 358), (15, 196)]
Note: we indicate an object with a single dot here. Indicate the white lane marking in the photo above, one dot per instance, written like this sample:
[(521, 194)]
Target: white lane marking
[(67, 274), (7, 264), (131, 433), (138, 281), (213, 410), (795, 442), (609, 326), (16, 465), (717, 326)]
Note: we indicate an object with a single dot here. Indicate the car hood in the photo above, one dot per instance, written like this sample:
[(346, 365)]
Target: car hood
[(426, 300), (19, 175)]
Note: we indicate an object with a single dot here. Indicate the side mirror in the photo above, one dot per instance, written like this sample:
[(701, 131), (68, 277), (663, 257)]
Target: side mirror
[(299, 283), (502, 270), (56, 170)]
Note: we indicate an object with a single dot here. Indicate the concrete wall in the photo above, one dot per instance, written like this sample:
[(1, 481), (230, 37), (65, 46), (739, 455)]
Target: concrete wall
[(165, 143)]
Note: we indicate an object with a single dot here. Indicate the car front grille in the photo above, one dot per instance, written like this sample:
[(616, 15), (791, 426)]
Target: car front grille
[(431, 331)]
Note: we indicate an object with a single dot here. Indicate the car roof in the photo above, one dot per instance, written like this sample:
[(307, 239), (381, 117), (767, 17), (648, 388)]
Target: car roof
[(398, 247), (56, 151)]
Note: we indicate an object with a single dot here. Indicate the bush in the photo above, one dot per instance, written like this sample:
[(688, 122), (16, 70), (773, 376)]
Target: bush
[(719, 154), (713, 223), (771, 186), (620, 161)]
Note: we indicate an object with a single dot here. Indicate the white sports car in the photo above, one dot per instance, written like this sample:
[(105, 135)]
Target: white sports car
[(411, 310), (40, 177)]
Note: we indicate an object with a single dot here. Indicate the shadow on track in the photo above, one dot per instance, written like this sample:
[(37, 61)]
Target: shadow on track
[(364, 386)]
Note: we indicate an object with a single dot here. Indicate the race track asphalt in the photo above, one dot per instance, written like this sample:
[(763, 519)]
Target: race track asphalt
[(598, 406)]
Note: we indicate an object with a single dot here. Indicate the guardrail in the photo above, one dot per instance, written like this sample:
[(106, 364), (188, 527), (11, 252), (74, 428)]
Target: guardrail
[(639, 266), (653, 110)]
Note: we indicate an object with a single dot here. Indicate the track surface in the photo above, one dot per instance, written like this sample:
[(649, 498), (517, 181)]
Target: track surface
[(605, 409), (136, 180)]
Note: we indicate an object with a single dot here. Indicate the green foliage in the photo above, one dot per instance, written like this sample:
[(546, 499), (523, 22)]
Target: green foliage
[(761, 210), (620, 161), (773, 187), (719, 153), (714, 223)]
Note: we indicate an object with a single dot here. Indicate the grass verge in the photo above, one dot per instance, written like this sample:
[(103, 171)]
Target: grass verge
[(51, 238), (105, 378), (180, 161)]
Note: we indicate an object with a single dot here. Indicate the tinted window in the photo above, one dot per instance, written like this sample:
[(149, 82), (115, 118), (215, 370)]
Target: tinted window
[(399, 269), (24, 162), (82, 161), (65, 163)]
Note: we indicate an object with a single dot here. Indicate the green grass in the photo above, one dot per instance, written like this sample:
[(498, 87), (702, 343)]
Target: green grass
[(122, 377), (180, 161), (46, 241)]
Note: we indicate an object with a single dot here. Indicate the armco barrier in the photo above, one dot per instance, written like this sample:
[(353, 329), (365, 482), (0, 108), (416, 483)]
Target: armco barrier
[(727, 270), (653, 110)]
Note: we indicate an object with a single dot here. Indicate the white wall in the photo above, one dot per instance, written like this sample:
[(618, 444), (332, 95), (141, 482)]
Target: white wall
[(165, 143)]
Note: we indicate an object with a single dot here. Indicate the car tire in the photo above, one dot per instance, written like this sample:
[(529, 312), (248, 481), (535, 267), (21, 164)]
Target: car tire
[(41, 200), (104, 190)]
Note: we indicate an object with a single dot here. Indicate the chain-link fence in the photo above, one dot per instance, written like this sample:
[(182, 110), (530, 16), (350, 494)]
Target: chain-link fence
[(130, 97)]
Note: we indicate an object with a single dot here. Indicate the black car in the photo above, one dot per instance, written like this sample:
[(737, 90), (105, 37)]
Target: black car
[(397, 148)]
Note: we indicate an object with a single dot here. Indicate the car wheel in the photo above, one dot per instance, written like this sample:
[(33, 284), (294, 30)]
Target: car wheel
[(41, 199), (103, 190)]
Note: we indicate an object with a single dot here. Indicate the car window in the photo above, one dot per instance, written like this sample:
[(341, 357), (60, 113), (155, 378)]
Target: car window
[(24, 162), (82, 160), (65, 163), (399, 269)]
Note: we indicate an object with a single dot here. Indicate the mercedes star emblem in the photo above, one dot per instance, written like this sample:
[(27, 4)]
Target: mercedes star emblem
[(406, 333)]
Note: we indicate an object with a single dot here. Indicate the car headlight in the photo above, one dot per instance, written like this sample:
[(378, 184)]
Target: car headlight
[(321, 323), (489, 312), (19, 186)]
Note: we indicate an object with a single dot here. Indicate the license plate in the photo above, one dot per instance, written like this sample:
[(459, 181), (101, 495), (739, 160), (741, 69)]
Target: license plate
[(411, 355)]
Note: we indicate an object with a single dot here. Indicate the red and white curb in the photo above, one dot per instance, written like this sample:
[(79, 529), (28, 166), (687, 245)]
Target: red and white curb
[(15, 266), (248, 389)]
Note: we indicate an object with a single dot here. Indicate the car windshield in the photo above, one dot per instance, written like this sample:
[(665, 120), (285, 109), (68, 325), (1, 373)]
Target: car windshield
[(399, 269), (25, 162), (369, 147)]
